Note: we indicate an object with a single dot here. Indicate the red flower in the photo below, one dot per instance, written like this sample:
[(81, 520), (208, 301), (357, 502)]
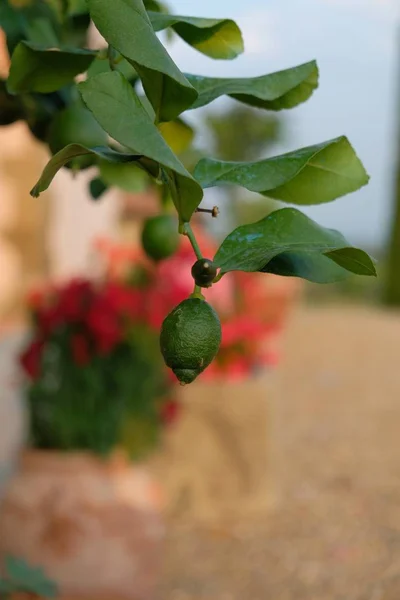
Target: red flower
[(104, 324), (80, 349), (170, 412), (49, 319), (31, 358), (242, 329), (74, 299), (123, 300)]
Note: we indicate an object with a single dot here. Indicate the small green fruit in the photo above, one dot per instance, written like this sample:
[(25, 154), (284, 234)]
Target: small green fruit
[(76, 125), (190, 338), (204, 272), (160, 237)]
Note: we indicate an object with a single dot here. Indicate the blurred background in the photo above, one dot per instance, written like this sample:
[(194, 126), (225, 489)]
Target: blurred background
[(293, 489)]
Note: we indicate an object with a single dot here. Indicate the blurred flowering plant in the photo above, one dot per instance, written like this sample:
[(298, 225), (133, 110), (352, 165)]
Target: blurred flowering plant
[(96, 378), (252, 309)]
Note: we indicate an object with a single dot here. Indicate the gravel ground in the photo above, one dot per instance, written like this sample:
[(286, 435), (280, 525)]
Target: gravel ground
[(334, 530)]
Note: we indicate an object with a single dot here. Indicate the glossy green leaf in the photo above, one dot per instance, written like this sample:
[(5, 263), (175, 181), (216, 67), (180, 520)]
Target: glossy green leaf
[(155, 5), (276, 91), (37, 69), (126, 176), (70, 152), (287, 242), (178, 135), (217, 38), (127, 27), (118, 109), (311, 175), (353, 260), (99, 65), (307, 265)]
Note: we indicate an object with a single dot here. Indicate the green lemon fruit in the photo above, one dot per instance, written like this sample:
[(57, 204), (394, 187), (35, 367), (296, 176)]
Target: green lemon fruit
[(204, 272), (190, 338), (76, 125), (160, 237)]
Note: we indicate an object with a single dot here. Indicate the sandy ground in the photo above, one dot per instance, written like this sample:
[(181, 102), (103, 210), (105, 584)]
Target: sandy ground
[(334, 532)]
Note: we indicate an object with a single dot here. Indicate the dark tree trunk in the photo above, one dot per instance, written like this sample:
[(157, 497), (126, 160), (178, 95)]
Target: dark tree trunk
[(392, 287)]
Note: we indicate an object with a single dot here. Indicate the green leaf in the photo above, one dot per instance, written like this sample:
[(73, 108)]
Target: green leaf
[(70, 152), (126, 176), (353, 260), (287, 242), (37, 69), (217, 38), (31, 580), (40, 31), (126, 27), (312, 175), (313, 267), (118, 109), (155, 5), (99, 65), (276, 91)]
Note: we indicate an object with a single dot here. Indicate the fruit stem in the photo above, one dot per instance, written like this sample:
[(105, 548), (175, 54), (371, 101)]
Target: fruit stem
[(197, 293), (187, 230)]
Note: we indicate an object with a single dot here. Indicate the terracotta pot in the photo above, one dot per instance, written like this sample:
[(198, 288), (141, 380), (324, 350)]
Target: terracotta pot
[(215, 464), (94, 526)]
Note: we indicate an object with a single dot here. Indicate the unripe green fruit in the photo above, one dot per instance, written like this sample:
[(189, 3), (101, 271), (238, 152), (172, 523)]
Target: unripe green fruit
[(190, 338), (76, 125), (160, 237), (204, 272)]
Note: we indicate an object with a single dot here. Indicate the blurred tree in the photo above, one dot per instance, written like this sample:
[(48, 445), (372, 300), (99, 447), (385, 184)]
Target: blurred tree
[(244, 134), (392, 287)]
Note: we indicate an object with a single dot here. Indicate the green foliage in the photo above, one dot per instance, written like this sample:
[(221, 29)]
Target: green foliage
[(242, 133), (19, 577), (168, 90), (120, 112), (299, 245), (37, 69), (311, 175), (284, 89), (73, 151), (148, 133), (75, 407), (216, 38)]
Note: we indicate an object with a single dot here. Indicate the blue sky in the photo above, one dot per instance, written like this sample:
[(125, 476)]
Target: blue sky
[(357, 46)]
